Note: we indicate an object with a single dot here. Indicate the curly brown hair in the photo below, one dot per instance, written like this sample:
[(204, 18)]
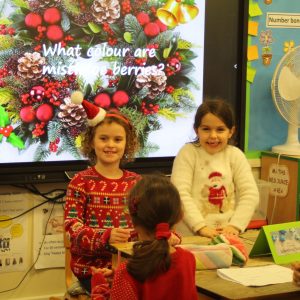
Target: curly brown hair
[(112, 116)]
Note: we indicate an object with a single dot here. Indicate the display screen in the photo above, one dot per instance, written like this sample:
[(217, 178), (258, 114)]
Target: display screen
[(144, 58)]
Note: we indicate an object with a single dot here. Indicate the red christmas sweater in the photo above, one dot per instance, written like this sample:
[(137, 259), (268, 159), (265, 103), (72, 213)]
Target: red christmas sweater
[(178, 283), (95, 205)]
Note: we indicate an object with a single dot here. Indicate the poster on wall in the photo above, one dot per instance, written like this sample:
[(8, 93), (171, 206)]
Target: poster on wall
[(135, 56), (14, 232), (273, 76), (48, 241)]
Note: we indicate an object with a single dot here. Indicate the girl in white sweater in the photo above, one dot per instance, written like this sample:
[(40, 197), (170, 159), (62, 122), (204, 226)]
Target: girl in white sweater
[(214, 179)]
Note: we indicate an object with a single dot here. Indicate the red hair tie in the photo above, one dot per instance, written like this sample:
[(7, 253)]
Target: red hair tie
[(162, 231)]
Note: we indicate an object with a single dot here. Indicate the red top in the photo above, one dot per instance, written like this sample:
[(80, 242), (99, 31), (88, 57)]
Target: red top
[(178, 283), (95, 205)]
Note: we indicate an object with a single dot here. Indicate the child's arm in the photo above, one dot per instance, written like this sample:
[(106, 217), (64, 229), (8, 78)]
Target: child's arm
[(209, 232), (119, 235), (175, 239), (100, 283), (247, 191), (296, 273), (229, 229)]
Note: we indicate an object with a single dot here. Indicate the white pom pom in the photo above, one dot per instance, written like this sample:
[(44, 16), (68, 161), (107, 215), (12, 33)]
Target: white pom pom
[(77, 97)]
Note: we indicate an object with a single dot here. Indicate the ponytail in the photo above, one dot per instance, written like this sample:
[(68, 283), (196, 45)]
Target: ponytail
[(149, 259)]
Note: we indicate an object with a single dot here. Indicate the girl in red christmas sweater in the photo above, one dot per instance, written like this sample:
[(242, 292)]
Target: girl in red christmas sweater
[(156, 267), (95, 212)]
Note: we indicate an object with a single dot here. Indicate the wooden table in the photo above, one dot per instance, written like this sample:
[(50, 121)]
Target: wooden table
[(211, 286)]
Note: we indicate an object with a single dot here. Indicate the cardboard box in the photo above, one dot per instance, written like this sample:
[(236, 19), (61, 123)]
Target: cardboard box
[(282, 172)]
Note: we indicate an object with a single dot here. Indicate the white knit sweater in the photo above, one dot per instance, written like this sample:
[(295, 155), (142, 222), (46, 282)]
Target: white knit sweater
[(216, 189)]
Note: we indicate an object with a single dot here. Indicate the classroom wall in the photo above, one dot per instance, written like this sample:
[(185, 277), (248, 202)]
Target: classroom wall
[(38, 284), (265, 127)]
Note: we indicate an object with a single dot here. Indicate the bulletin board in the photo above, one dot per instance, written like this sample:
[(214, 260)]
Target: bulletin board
[(273, 30)]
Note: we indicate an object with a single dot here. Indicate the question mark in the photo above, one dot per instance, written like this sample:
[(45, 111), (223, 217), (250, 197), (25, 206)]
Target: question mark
[(161, 67)]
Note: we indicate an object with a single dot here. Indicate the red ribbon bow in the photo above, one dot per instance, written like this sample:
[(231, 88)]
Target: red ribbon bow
[(162, 231), (6, 131)]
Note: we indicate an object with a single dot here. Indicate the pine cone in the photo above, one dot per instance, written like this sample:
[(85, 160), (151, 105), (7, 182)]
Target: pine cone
[(83, 18), (106, 11), (31, 65), (155, 80), (72, 115), (38, 6)]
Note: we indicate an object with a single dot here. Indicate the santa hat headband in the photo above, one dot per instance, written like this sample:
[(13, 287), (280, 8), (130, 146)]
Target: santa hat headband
[(95, 114), (118, 117)]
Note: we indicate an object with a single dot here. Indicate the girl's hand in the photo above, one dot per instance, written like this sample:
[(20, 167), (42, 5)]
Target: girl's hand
[(105, 271), (119, 235), (208, 232), (174, 239), (296, 274), (230, 230)]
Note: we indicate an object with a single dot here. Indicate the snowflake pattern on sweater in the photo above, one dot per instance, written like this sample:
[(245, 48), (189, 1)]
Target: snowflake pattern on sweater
[(95, 205)]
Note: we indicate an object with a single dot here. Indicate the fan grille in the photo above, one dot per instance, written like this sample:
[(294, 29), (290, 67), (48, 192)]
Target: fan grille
[(289, 110)]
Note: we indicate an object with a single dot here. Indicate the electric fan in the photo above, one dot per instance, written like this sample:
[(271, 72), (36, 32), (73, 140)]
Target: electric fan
[(285, 88)]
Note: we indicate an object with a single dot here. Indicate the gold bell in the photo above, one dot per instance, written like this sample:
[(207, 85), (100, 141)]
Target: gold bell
[(187, 13), (169, 14)]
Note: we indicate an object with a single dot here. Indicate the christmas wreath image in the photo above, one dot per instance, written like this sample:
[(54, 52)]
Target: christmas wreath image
[(146, 69)]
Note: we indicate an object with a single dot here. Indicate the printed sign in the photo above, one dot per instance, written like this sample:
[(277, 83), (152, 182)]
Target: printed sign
[(280, 179), (282, 20), (48, 236), (14, 233), (282, 241)]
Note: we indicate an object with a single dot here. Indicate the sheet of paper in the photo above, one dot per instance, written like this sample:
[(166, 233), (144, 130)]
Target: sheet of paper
[(253, 28), (251, 72), (257, 276), (252, 52), (254, 9)]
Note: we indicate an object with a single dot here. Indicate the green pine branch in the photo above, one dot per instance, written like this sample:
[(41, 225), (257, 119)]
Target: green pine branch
[(68, 146), (132, 26), (169, 114), (147, 149), (41, 153), (21, 3), (164, 39), (54, 130)]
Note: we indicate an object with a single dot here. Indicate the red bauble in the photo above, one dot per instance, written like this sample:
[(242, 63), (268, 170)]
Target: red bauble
[(37, 93), (27, 114), (143, 18), (151, 29), (33, 20), (44, 113), (54, 33), (174, 63), (162, 26), (102, 100), (52, 15), (120, 98)]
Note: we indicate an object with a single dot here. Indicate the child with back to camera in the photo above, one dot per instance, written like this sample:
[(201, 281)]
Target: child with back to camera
[(156, 270), (95, 212), (214, 179)]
